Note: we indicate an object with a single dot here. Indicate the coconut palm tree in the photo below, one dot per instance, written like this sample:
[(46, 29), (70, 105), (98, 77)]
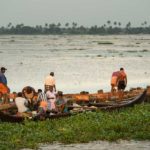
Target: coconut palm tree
[(67, 25), (109, 22), (115, 23)]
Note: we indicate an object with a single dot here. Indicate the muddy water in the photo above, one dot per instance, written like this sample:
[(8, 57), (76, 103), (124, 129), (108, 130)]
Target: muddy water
[(80, 62), (100, 145)]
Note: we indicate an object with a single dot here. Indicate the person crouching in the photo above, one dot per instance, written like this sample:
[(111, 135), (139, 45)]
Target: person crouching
[(61, 103), (21, 103)]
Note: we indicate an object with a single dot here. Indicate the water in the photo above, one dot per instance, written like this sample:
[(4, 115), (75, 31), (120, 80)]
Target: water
[(100, 145), (79, 62)]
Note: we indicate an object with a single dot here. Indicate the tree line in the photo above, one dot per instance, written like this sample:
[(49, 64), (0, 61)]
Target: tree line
[(73, 28)]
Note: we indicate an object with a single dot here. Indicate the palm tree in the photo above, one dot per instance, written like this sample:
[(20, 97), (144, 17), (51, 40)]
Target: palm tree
[(109, 22), (67, 25), (74, 25), (128, 25), (145, 23), (46, 25), (115, 23), (119, 23), (59, 25), (104, 25), (9, 25)]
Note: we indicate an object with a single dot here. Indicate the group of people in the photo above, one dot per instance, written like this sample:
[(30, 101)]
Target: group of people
[(50, 100)]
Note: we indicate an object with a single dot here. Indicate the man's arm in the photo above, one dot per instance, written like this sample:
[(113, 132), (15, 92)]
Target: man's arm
[(55, 87)]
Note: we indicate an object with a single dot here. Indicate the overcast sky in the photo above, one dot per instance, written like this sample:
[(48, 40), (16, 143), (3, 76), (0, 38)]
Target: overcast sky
[(84, 12)]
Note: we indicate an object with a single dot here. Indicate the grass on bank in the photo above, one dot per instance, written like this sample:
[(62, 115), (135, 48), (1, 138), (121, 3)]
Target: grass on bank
[(130, 123)]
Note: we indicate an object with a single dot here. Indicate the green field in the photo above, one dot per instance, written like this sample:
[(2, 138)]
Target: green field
[(130, 123)]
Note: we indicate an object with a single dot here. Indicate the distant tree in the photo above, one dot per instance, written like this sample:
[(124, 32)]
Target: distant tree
[(74, 25), (119, 23), (74, 29), (9, 25), (59, 25), (145, 23), (115, 23), (46, 25), (67, 25), (128, 25), (104, 25), (109, 22)]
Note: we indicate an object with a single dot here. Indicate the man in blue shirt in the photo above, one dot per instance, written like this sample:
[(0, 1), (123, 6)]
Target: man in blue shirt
[(3, 79)]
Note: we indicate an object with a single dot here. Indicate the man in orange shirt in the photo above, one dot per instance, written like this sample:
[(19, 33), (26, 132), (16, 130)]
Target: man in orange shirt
[(114, 80)]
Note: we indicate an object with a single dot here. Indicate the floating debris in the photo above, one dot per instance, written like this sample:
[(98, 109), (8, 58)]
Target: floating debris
[(99, 55), (132, 51), (144, 50), (104, 42)]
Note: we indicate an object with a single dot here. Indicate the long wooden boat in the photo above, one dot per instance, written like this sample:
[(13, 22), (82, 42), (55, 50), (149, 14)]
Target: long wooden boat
[(137, 100), (115, 105), (5, 116), (101, 96)]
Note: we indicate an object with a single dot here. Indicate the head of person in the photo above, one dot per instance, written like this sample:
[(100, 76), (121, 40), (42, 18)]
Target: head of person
[(14, 95), (29, 90), (19, 94), (52, 74), (60, 94), (3, 69), (121, 69), (39, 91)]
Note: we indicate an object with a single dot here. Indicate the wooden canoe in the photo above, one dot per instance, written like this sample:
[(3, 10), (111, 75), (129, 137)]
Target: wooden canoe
[(5, 117), (101, 96), (137, 100)]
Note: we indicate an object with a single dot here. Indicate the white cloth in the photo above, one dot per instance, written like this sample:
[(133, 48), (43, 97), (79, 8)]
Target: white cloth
[(20, 102), (51, 99), (49, 80), (50, 95)]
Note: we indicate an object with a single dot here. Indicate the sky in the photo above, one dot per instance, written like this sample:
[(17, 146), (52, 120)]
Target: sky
[(84, 12)]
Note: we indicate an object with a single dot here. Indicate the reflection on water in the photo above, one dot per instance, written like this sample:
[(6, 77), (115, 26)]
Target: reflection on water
[(79, 62)]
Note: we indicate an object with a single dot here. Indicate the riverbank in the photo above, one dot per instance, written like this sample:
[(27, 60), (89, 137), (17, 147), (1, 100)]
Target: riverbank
[(127, 124)]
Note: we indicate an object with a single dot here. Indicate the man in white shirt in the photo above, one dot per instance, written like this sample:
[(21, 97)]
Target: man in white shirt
[(50, 82), (21, 103)]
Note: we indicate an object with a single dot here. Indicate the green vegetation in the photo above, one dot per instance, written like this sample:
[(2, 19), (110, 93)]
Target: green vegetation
[(73, 28), (130, 123), (105, 42)]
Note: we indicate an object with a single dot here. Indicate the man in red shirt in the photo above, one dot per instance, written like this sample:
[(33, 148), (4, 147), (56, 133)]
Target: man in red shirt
[(121, 83)]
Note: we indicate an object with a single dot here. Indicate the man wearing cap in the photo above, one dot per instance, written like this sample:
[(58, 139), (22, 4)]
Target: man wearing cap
[(3, 85), (50, 82), (3, 79)]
